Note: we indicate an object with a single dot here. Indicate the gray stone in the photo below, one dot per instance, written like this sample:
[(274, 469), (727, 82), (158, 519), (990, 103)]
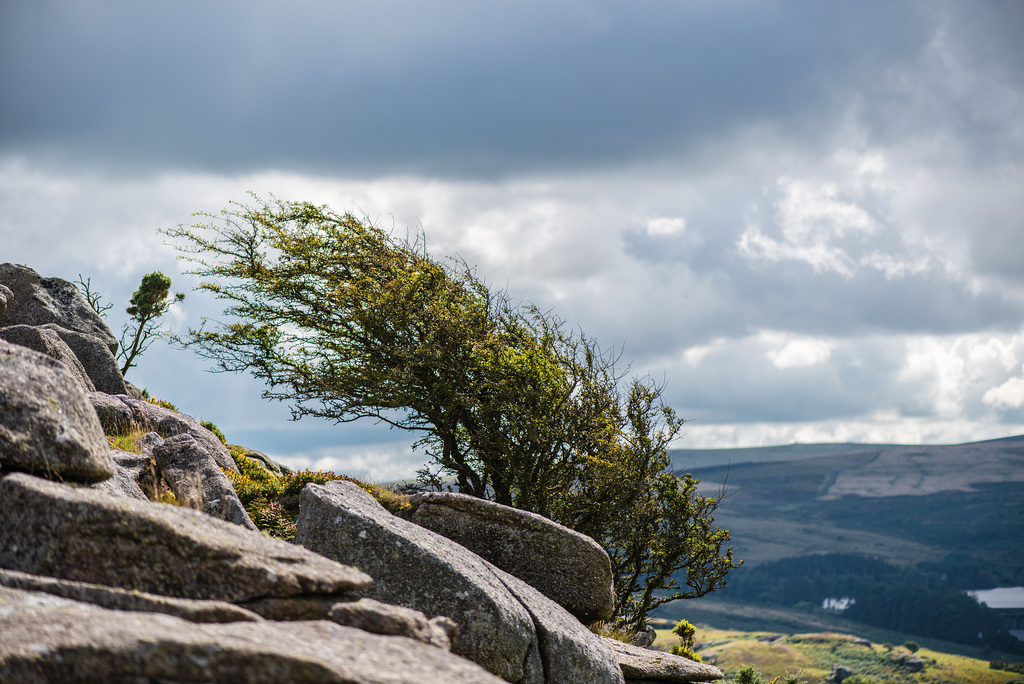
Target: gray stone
[(6, 297), (644, 638), (504, 624), (48, 342), (125, 482), (909, 661), (50, 639), (75, 533), (383, 618), (38, 301), (120, 599), (47, 425), (639, 663), (570, 652), (197, 481), (133, 391), (418, 569), (121, 413), (271, 466), (569, 568), (95, 356)]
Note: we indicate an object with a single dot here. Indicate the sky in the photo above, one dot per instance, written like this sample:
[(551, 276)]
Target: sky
[(807, 218)]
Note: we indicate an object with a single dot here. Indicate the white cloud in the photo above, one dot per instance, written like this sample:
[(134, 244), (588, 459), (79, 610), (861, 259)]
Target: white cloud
[(1010, 394), (663, 227), (800, 353)]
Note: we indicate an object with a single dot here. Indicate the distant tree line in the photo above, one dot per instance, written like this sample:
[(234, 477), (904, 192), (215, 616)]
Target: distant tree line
[(913, 600)]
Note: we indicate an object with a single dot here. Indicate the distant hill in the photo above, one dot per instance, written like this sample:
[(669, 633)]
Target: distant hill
[(959, 504)]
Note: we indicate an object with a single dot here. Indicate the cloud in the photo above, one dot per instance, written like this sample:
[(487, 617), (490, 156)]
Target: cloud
[(806, 217), (800, 353), (1008, 395)]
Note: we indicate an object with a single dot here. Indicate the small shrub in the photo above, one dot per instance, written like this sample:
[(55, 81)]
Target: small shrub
[(161, 402), (748, 675), (685, 631), (213, 428), (911, 646)]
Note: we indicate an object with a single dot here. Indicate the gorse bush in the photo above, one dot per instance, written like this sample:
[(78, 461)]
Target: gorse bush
[(686, 632)]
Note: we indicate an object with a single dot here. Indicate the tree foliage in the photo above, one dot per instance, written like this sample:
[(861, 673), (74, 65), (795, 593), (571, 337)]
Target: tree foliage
[(148, 303), (345, 322)]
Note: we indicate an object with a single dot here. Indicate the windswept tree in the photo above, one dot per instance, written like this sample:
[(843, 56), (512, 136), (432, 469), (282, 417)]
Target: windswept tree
[(345, 322)]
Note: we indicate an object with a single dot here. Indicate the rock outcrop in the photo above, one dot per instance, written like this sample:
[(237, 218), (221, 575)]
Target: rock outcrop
[(196, 480), (96, 358), (35, 300), (47, 424), (51, 639), (523, 544), (100, 582), (121, 413), (47, 341), (79, 534), (504, 624)]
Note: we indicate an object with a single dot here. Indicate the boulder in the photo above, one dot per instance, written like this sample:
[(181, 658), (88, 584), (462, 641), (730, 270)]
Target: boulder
[(38, 301), (125, 482), (95, 356), (121, 413), (79, 534), (271, 466), (643, 664), (6, 296), (197, 481), (504, 624), (909, 661), (382, 618), (120, 599), (48, 342), (644, 638), (568, 567), (418, 569), (569, 651), (839, 674), (51, 639), (47, 425)]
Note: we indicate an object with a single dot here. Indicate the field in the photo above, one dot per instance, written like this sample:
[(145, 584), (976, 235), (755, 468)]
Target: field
[(815, 653), (904, 504)]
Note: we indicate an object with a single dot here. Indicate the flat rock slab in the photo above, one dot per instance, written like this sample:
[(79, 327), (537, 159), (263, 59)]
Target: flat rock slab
[(47, 424), (80, 534), (568, 567), (504, 624), (643, 664), (121, 599), (50, 639)]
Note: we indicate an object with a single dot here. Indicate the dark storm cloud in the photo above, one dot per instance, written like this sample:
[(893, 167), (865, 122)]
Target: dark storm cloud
[(457, 88)]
